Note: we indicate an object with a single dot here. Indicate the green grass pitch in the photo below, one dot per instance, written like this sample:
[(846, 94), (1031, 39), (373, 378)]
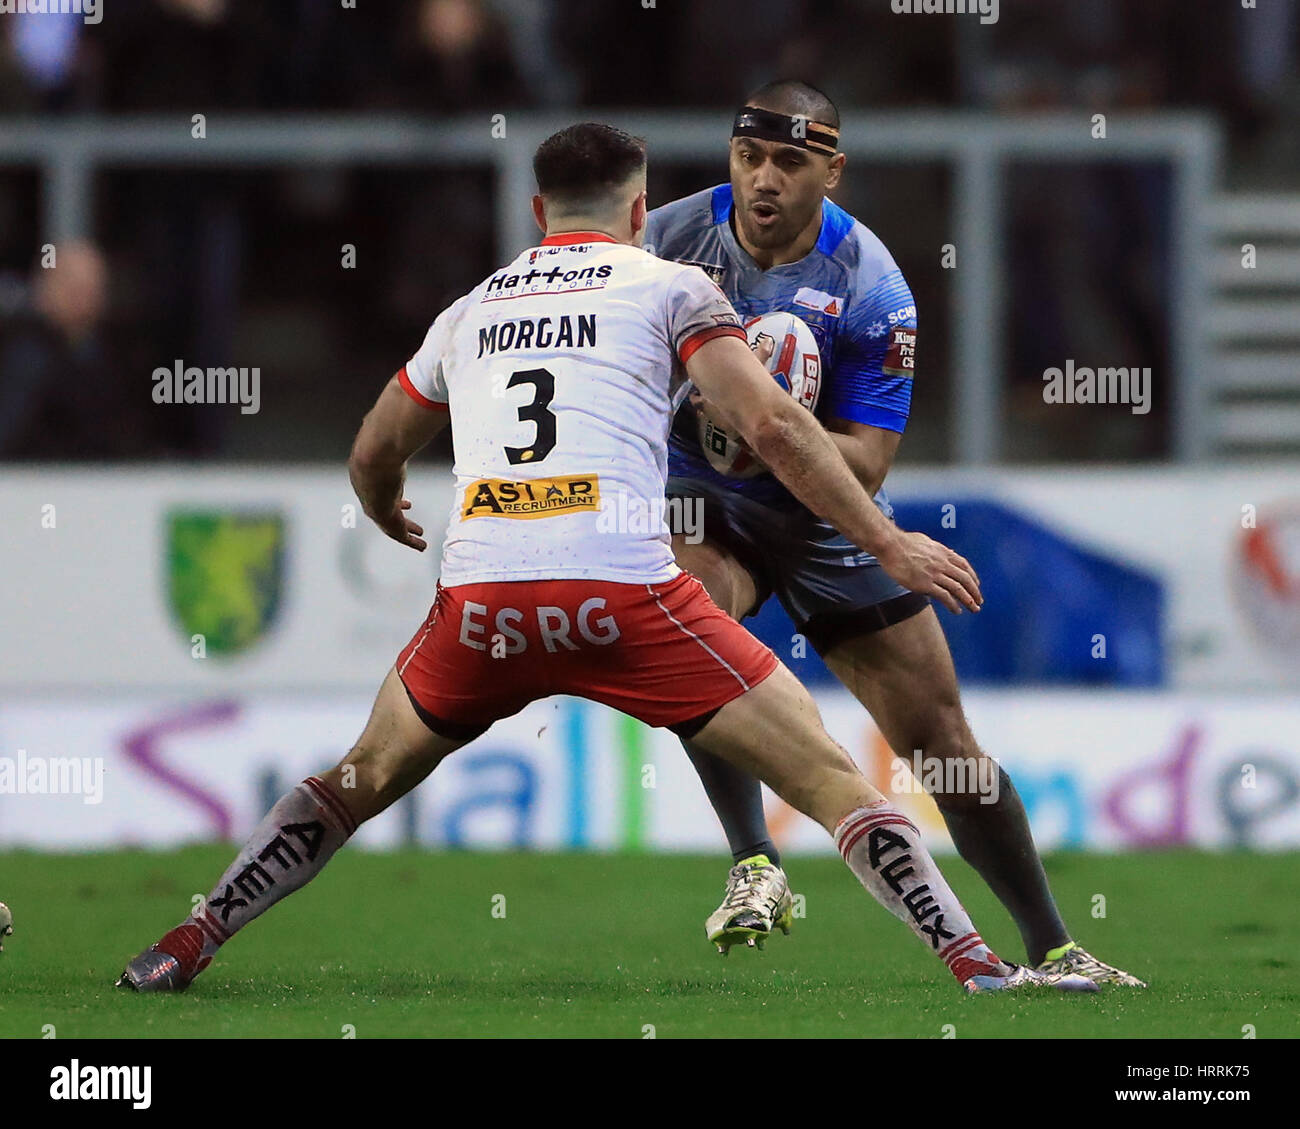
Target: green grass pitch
[(407, 945)]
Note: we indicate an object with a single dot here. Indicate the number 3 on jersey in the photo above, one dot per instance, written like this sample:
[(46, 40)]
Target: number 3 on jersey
[(536, 411)]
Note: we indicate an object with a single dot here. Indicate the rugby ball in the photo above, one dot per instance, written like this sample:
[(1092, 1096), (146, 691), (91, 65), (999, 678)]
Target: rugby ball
[(795, 364)]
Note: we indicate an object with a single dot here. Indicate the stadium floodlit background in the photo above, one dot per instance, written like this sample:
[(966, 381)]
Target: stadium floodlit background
[(190, 600)]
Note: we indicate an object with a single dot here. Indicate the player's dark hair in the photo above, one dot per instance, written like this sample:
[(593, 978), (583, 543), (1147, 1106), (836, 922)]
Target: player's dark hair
[(795, 97), (581, 165)]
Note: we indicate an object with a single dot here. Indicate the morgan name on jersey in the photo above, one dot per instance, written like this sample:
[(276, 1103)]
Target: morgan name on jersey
[(563, 332)]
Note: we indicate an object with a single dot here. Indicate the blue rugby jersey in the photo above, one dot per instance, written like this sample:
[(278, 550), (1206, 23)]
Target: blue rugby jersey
[(848, 289)]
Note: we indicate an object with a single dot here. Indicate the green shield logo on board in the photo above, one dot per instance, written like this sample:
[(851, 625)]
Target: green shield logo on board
[(225, 574)]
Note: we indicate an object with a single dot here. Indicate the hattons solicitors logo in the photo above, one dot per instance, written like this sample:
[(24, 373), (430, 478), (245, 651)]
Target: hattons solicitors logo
[(23, 775), (90, 11)]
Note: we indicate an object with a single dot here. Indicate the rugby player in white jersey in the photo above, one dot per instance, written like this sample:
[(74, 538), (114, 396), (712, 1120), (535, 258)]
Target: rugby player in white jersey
[(559, 375)]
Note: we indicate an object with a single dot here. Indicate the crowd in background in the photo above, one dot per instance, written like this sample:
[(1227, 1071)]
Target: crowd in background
[(217, 268)]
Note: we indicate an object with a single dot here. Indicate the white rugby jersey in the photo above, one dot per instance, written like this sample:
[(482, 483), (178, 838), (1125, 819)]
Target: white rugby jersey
[(562, 372)]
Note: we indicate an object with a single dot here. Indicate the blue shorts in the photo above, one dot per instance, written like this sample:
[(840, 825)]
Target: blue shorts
[(830, 588)]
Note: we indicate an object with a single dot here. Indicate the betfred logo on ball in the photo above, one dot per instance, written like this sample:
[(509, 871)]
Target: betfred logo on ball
[(795, 364)]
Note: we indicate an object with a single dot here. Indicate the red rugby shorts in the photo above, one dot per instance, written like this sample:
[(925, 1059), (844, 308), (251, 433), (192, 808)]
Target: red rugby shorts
[(664, 653)]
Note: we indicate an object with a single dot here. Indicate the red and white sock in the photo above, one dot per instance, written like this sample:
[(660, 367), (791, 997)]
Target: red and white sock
[(883, 849), (291, 845)]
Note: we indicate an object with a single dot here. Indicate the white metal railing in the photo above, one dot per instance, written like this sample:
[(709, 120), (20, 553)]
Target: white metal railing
[(1254, 324), (70, 150)]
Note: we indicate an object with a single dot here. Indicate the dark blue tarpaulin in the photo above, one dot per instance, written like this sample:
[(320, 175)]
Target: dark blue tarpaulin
[(1055, 613)]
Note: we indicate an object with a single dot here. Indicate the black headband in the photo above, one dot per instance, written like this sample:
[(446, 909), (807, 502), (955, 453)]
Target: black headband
[(798, 130)]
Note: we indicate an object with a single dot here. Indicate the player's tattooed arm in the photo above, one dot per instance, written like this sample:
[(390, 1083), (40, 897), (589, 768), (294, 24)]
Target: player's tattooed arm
[(804, 457), (868, 450), (393, 430)]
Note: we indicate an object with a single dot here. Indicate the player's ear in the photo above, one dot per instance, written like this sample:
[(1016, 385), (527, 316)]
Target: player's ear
[(835, 170), (539, 213), (638, 213)]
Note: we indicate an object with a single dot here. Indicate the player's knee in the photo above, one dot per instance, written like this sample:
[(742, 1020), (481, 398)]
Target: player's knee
[(944, 733), (949, 762)]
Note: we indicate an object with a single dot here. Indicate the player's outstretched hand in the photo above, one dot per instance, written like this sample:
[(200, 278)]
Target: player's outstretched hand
[(923, 565), (401, 528)]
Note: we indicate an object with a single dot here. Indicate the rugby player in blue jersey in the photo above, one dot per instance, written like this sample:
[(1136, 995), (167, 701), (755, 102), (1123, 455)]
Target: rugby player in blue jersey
[(774, 242)]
